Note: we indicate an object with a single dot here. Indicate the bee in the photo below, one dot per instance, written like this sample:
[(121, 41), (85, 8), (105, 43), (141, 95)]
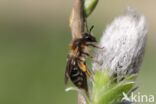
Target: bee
[(76, 68)]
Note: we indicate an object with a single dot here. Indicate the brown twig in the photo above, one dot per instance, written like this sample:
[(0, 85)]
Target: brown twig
[(77, 19)]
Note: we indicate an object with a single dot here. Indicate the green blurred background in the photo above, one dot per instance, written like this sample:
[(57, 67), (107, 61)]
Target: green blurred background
[(34, 38)]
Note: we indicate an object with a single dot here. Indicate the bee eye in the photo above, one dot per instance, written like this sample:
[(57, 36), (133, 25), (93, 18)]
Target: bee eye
[(86, 37)]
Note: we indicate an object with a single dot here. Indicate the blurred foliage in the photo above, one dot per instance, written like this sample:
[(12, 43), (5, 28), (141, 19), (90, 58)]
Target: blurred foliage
[(107, 91), (89, 6)]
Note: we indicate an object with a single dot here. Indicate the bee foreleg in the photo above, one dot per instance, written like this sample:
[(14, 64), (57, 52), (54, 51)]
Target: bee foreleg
[(94, 45)]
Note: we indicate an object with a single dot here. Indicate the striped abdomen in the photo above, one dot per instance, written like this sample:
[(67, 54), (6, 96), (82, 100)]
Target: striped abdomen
[(76, 75)]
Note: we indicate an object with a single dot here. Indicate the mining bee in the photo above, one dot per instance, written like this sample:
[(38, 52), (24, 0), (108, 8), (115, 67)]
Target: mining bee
[(76, 68)]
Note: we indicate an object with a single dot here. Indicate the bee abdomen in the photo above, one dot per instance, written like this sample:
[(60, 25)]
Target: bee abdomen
[(79, 78)]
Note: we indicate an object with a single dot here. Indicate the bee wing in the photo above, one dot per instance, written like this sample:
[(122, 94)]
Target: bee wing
[(67, 70), (66, 77)]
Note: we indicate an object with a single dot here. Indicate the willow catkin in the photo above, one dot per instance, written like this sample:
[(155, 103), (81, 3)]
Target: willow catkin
[(124, 44)]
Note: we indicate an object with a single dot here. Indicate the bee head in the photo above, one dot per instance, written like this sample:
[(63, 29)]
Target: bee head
[(88, 37)]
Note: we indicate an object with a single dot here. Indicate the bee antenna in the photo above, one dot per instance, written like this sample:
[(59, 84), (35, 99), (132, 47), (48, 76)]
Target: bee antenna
[(87, 26), (91, 28)]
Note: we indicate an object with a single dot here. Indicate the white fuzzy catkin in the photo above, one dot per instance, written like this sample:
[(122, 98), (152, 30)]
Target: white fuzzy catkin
[(124, 43)]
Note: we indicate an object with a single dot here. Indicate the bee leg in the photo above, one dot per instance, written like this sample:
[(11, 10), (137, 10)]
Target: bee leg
[(94, 45), (88, 72), (84, 68), (87, 54), (92, 57)]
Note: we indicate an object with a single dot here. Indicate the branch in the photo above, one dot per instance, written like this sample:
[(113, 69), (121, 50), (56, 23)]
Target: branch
[(81, 10), (77, 19)]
